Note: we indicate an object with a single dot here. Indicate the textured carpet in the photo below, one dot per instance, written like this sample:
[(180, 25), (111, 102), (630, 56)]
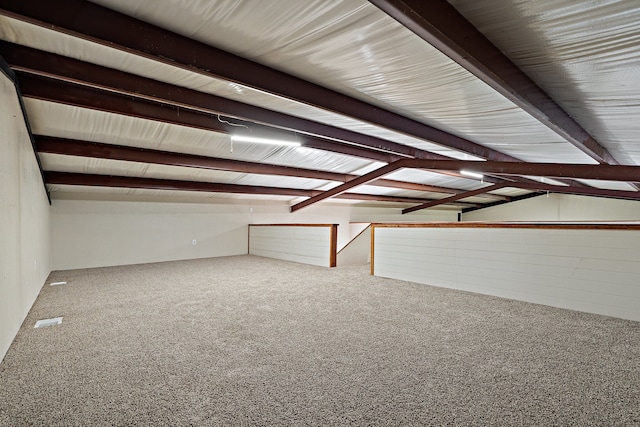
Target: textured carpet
[(253, 341)]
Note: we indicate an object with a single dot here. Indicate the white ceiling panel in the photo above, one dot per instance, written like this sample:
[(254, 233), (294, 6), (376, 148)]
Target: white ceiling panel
[(356, 49), (586, 54), (48, 40)]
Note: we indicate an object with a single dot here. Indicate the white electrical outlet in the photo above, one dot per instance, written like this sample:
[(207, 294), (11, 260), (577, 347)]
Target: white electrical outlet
[(193, 242)]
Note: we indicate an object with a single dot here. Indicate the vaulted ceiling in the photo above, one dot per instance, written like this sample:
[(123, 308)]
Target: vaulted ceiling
[(403, 103)]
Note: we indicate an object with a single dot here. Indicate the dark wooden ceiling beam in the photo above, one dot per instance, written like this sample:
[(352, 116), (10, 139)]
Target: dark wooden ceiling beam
[(621, 173), (525, 196), (70, 147), (599, 192), (395, 199), (390, 183), (442, 26), (361, 180), (113, 29), (456, 197), (94, 180), (548, 170)]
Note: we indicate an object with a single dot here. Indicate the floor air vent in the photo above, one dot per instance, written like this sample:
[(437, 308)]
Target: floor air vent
[(57, 283), (48, 322)]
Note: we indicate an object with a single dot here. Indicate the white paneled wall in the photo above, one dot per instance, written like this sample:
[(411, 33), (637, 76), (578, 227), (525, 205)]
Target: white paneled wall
[(24, 219), (307, 244), (591, 270)]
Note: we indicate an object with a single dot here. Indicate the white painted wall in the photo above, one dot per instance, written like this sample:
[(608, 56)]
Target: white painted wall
[(595, 271), (98, 233), (104, 233), (356, 228), (315, 214), (95, 233), (358, 250), (560, 207), (24, 219), (368, 214), (307, 245), (344, 215)]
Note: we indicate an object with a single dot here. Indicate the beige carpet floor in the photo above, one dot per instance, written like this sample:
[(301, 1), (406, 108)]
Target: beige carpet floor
[(253, 341)]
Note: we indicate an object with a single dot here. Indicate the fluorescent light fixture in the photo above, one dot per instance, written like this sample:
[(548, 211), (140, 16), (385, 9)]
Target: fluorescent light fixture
[(258, 140), (472, 174)]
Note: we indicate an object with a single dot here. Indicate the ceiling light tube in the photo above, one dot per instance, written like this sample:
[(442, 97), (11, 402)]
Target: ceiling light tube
[(258, 140), (472, 174)]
